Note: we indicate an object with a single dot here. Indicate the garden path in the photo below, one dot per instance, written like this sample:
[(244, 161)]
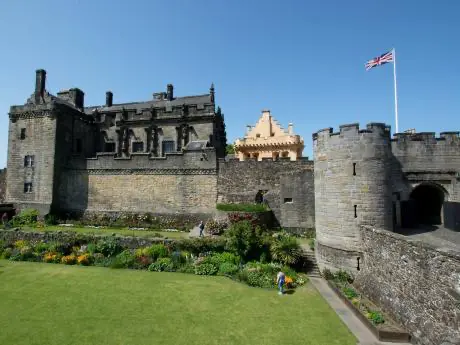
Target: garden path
[(360, 331)]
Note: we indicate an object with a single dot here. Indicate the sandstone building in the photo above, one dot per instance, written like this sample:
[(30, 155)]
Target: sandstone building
[(267, 139)]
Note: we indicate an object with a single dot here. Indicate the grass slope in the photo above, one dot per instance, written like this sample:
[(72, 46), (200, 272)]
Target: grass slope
[(57, 304), (109, 231)]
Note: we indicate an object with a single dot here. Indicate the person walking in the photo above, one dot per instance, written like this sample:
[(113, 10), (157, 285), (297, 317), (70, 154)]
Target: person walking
[(280, 278), (201, 226)]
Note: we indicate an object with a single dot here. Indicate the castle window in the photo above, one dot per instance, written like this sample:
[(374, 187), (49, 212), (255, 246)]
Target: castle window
[(138, 146), (354, 169), (79, 148), (356, 215), (288, 200), (109, 147), (167, 146), (258, 135), (28, 187), (23, 133), (29, 161)]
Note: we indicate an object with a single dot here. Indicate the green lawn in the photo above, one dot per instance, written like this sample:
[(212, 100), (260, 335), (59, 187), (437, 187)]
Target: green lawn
[(58, 304), (109, 231)]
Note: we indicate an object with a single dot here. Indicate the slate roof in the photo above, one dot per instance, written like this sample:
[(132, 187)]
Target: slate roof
[(157, 103)]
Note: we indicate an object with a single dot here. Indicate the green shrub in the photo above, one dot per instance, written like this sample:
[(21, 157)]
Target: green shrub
[(343, 277), (162, 264), (7, 252), (157, 251), (179, 258), (101, 261), (219, 258), (227, 269), (28, 216), (125, 259), (205, 269), (57, 247), (247, 241), (187, 268), (375, 317), (256, 278), (349, 292), (327, 274), (286, 250), (108, 247), (91, 248), (243, 207), (197, 246), (51, 219), (40, 247)]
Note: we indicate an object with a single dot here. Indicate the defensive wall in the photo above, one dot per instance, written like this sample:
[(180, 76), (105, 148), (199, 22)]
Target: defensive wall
[(177, 183), (288, 187), (416, 283)]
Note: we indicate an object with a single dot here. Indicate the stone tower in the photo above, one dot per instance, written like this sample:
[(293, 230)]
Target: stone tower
[(352, 188)]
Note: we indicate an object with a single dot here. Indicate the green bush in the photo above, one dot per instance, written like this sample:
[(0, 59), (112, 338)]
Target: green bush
[(7, 252), (157, 251), (187, 268), (161, 265), (343, 277), (327, 274), (247, 241), (349, 292), (227, 269), (179, 258), (51, 219), (205, 269), (28, 216), (197, 246), (125, 259), (242, 207), (256, 278), (375, 317), (219, 258), (286, 250), (91, 248), (40, 247), (108, 247)]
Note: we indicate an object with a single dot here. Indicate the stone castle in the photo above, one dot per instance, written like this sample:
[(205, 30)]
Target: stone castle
[(167, 156)]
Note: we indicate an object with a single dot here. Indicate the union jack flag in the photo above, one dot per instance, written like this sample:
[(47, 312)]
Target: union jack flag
[(380, 60)]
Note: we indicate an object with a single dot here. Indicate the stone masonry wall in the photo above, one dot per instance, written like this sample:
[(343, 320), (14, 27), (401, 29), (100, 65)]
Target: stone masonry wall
[(2, 185), (239, 182), (81, 191), (417, 284), (39, 142)]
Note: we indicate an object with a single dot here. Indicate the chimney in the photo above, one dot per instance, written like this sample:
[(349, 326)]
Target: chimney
[(40, 81), (290, 130), (108, 99), (170, 92)]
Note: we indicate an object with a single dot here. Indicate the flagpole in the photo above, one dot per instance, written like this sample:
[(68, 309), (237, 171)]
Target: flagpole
[(396, 91)]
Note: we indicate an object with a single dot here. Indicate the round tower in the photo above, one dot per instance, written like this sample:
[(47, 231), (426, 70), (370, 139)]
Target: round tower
[(352, 188)]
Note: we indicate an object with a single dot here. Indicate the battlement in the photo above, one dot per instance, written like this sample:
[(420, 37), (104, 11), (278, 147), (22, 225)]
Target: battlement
[(426, 136), (352, 130), (204, 160), (267, 161)]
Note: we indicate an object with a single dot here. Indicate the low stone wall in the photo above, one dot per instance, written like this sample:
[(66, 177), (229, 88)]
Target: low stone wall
[(416, 283), (11, 236)]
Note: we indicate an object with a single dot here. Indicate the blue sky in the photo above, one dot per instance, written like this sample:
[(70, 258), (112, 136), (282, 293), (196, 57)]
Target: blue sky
[(303, 60)]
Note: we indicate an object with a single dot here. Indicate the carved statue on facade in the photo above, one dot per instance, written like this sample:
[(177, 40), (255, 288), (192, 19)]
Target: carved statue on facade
[(124, 141)]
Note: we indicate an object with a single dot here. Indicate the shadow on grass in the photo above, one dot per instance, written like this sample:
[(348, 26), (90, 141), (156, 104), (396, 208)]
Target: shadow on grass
[(289, 292)]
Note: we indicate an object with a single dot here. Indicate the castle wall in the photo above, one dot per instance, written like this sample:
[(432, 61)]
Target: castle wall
[(416, 283), (352, 188), (179, 183), (2, 184), (424, 158), (289, 186), (39, 142)]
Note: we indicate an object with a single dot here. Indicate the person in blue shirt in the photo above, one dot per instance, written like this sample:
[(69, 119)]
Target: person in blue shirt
[(280, 278)]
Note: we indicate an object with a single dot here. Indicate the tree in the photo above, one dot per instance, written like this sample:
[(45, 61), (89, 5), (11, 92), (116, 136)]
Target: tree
[(230, 149)]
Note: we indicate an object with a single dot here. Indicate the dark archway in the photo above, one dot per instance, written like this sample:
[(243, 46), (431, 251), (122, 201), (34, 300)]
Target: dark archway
[(428, 199)]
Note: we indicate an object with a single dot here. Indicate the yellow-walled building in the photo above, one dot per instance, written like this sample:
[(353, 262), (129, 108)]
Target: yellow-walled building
[(267, 139)]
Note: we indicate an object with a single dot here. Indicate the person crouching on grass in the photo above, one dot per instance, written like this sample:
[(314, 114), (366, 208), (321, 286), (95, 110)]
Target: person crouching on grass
[(280, 278)]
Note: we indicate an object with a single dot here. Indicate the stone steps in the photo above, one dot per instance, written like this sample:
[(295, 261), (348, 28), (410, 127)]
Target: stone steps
[(312, 267)]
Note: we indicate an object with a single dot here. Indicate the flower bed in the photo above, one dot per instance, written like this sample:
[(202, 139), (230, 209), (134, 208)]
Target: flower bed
[(244, 254), (376, 321)]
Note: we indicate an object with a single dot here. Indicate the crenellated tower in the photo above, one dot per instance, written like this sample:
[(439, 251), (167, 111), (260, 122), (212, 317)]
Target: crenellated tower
[(352, 188)]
